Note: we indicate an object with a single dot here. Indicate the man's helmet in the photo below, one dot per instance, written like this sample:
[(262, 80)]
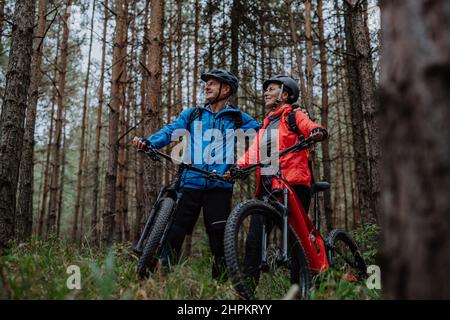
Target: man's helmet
[(289, 84), (223, 76)]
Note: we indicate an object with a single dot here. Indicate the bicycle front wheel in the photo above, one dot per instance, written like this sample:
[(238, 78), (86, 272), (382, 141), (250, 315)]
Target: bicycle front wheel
[(253, 253), (149, 258)]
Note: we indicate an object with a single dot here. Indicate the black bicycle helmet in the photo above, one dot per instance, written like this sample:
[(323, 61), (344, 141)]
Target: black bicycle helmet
[(223, 76), (289, 84)]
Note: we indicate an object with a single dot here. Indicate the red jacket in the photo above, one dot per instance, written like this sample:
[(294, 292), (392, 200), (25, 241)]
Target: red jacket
[(294, 165)]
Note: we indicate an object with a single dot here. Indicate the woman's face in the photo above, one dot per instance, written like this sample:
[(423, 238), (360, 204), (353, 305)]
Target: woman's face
[(271, 95)]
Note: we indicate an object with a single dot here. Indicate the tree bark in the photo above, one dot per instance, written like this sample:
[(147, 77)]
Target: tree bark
[(62, 69), (152, 118), (324, 115), (364, 65), (118, 73), (416, 149), (309, 60), (80, 175), (95, 201), (358, 133), (13, 115), (297, 51), (26, 176), (196, 27)]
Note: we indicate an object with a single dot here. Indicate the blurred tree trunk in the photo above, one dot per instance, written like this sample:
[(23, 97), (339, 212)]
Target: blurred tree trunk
[(115, 105), (236, 12), (81, 175), (96, 174), (13, 114), (179, 41), (2, 19), (24, 220), (416, 149)]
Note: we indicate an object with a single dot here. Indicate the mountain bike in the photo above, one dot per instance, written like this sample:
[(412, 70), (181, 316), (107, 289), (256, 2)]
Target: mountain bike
[(154, 234), (271, 244)]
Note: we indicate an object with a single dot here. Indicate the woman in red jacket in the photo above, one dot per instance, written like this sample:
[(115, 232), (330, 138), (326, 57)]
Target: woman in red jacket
[(280, 92)]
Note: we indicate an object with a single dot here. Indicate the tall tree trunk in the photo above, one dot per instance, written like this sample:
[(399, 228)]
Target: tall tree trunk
[(51, 221), (324, 114), (196, 27), (44, 203), (236, 12), (24, 220), (80, 175), (142, 205), (13, 115), (179, 42), (297, 51), (364, 66), (61, 180), (416, 148), (96, 175), (118, 73), (2, 19), (152, 117), (358, 133), (309, 59)]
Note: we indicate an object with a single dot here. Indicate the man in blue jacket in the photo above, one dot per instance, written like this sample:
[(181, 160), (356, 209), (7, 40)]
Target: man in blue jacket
[(208, 126)]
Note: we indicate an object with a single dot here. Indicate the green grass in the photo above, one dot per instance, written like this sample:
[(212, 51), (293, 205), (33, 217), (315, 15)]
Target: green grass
[(37, 270)]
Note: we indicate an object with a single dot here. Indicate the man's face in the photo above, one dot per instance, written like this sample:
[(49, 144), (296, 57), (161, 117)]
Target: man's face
[(271, 95), (212, 89)]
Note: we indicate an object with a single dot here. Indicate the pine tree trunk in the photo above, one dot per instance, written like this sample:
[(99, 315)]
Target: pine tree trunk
[(358, 133), (24, 220), (53, 204), (80, 176), (309, 60), (116, 102), (196, 27), (152, 117), (96, 175), (416, 141), (324, 115), (61, 181), (13, 114), (297, 51), (142, 207), (364, 67)]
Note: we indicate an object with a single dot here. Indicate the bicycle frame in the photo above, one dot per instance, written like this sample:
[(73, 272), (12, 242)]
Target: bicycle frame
[(295, 215)]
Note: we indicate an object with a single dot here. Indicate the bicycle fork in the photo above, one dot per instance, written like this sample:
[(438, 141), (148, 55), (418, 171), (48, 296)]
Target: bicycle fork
[(283, 258)]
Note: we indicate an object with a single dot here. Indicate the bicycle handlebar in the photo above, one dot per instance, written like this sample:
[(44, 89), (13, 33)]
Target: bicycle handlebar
[(301, 145), (156, 155)]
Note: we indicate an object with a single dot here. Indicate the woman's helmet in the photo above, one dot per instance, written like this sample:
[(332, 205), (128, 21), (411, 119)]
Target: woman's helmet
[(289, 85), (224, 77)]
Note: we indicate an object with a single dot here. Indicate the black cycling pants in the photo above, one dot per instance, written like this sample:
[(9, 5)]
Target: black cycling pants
[(216, 205)]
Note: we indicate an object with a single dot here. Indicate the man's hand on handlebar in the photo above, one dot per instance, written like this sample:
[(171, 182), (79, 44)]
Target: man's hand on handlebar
[(140, 143), (235, 173)]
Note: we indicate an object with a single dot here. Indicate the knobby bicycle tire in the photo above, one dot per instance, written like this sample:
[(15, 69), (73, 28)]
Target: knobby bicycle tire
[(148, 259), (336, 235), (237, 216)]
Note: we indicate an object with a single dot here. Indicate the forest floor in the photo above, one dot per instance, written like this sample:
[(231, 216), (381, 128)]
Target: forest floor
[(38, 270)]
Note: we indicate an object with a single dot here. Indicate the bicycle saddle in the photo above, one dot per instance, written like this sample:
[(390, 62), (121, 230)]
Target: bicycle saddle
[(320, 186)]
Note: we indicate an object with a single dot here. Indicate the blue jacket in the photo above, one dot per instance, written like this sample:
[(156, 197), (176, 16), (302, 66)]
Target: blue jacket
[(202, 153)]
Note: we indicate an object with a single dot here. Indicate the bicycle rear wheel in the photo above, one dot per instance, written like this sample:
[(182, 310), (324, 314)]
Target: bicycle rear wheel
[(343, 254), (256, 275), (149, 258)]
